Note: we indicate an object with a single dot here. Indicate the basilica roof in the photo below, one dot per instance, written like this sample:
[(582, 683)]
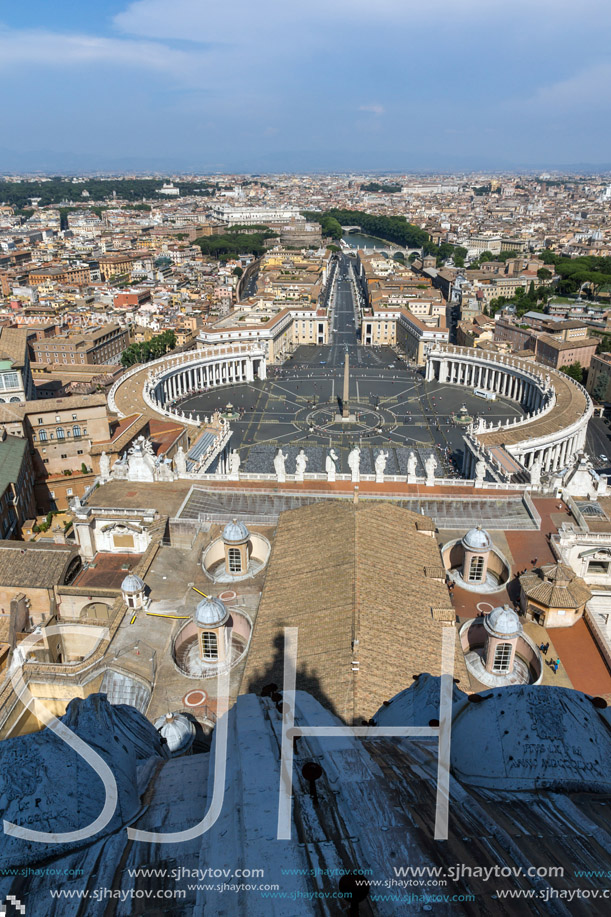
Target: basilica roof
[(366, 597)]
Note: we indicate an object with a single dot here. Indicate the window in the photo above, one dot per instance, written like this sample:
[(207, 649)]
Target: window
[(476, 569), (40, 420), (9, 380), (69, 491), (76, 430), (235, 560), (598, 567), (64, 455), (74, 417), (60, 432), (209, 645), (43, 435), (79, 451), (502, 657)]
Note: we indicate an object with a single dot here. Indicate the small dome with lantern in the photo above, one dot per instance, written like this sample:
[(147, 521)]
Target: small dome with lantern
[(235, 532), (477, 539), (178, 732), (132, 584), (503, 622), (211, 612)]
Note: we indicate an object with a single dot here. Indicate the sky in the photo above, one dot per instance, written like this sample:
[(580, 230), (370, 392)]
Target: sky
[(277, 85)]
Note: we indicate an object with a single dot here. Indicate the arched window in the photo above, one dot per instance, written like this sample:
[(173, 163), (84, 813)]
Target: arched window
[(210, 645), (76, 430), (476, 569), (235, 560), (502, 658), (60, 433), (43, 435)]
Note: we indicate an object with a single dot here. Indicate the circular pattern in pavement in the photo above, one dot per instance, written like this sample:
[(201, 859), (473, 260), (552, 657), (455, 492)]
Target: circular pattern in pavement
[(196, 698), (363, 419)]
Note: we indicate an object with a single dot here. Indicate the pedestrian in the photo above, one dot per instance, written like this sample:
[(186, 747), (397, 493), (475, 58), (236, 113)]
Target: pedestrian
[(557, 662)]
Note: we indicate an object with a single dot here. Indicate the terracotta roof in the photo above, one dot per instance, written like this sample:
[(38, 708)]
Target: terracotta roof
[(13, 345), (556, 586), (34, 564), (354, 580), (16, 411)]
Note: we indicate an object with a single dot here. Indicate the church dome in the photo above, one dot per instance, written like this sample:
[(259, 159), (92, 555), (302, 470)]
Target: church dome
[(132, 584), (211, 612), (235, 532), (477, 539), (503, 622), (177, 730)]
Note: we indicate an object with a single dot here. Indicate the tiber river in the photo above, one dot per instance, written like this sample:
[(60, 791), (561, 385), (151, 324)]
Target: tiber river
[(359, 240)]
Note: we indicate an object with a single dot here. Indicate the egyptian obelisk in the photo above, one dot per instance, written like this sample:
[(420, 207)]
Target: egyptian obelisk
[(345, 411)]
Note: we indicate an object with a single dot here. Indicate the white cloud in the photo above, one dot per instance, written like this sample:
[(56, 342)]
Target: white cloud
[(587, 90), (36, 47), (374, 109), (208, 20)]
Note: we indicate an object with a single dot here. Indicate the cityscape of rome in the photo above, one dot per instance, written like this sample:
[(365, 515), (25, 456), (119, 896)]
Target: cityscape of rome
[(305, 485)]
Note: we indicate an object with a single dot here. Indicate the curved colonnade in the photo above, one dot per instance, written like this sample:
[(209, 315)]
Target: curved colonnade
[(557, 408), (164, 381)]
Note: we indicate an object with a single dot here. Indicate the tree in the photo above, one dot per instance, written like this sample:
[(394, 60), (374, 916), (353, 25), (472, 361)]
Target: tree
[(544, 274), (574, 370), (149, 350), (237, 271)]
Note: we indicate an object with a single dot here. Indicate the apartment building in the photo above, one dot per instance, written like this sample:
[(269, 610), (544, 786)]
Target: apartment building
[(60, 432), (556, 353), (599, 378), (16, 383), (102, 346), (60, 273), (112, 265), (560, 344)]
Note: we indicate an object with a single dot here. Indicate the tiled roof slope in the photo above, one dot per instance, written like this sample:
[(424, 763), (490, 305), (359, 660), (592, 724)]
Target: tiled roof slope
[(344, 573)]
